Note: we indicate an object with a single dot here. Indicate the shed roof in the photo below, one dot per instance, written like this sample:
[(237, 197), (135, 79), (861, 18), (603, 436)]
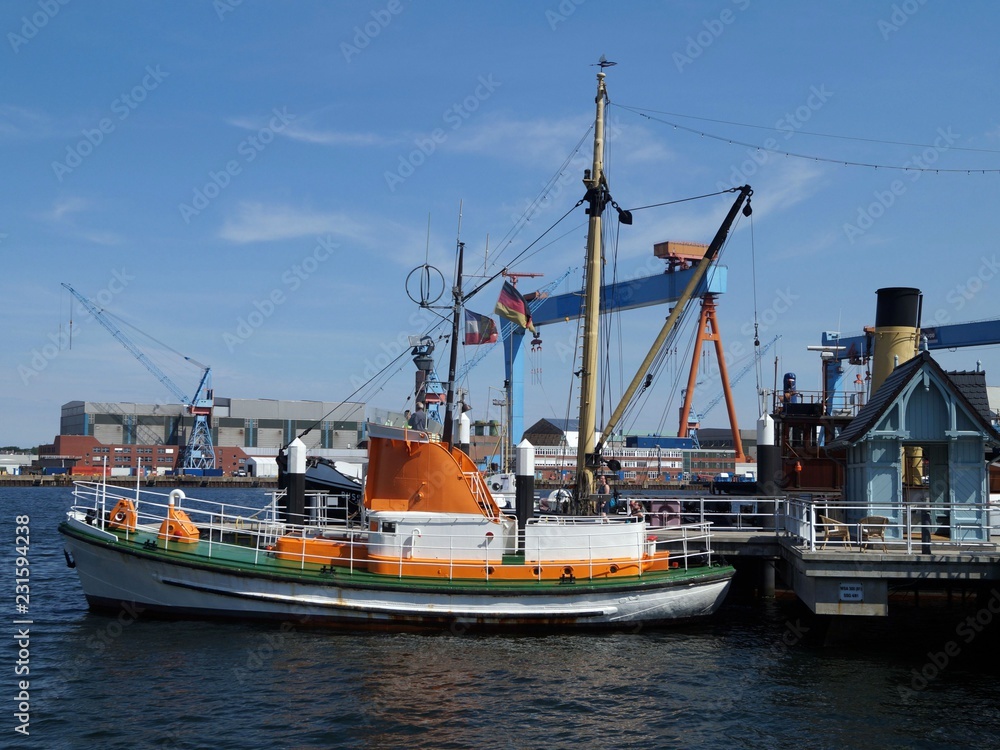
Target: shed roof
[(968, 387)]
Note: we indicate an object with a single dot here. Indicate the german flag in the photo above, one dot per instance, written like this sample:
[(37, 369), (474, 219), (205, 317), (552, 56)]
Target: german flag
[(512, 306), (479, 329)]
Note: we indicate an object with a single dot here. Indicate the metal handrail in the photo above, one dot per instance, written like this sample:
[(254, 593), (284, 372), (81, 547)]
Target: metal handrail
[(262, 527), (903, 532)]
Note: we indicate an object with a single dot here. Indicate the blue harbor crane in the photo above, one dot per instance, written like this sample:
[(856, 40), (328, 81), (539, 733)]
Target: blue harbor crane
[(859, 349), (199, 452)]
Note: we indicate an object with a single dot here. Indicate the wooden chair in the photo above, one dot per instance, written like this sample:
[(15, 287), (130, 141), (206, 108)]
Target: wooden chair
[(873, 527), (834, 530)]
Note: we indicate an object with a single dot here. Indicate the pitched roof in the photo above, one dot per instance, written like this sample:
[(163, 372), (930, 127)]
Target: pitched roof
[(545, 426), (972, 385), (968, 387)]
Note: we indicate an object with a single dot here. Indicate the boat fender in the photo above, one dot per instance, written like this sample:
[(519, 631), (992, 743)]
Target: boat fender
[(70, 562)]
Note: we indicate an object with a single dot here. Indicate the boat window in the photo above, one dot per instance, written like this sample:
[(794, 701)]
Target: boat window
[(389, 527)]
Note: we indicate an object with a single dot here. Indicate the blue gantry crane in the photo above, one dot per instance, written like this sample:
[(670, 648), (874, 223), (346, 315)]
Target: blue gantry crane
[(199, 452), (858, 349)]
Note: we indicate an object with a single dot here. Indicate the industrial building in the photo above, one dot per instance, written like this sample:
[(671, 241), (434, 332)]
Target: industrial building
[(247, 423), (129, 437)]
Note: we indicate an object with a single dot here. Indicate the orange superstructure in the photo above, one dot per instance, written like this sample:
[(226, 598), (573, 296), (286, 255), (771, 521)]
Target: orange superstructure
[(412, 473)]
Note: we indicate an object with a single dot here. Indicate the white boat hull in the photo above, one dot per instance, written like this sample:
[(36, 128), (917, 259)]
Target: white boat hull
[(114, 577)]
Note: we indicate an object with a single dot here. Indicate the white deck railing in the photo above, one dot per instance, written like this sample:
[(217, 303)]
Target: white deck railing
[(230, 532)]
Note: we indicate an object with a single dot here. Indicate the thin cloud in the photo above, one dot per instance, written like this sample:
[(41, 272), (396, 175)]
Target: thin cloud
[(23, 123), (256, 222), (64, 218), (305, 130), (526, 140), (305, 134), (64, 208)]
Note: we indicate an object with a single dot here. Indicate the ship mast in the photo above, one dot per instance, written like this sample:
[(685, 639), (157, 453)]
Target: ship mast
[(456, 322), (597, 198)]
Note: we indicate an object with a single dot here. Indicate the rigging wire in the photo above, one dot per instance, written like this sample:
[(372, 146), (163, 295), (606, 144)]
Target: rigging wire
[(682, 200), (660, 357), (810, 157), (533, 207), (640, 110)]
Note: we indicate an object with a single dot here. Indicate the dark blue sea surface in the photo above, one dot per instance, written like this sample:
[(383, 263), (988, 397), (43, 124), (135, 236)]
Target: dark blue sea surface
[(761, 674)]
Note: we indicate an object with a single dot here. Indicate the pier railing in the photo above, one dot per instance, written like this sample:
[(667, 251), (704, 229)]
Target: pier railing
[(726, 513), (909, 528)]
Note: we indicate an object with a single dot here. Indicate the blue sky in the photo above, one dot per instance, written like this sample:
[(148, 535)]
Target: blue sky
[(251, 182)]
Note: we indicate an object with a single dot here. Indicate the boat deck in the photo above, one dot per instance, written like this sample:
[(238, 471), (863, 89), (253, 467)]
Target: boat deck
[(145, 541)]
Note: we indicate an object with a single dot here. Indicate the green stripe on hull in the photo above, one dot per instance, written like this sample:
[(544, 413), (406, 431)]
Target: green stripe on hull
[(241, 561)]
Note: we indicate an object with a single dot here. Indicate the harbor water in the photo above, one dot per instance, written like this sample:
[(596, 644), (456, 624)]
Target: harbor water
[(760, 674)]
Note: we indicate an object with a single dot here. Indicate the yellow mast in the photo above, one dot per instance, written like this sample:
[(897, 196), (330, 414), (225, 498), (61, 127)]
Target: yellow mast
[(597, 195)]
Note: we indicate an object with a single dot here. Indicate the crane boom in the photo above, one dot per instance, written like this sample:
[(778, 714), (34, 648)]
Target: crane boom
[(739, 375), (699, 272), (129, 344), (200, 452)]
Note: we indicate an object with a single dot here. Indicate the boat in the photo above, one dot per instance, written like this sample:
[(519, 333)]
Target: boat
[(432, 548)]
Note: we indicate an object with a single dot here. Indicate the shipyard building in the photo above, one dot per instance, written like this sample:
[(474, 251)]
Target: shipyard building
[(125, 439), (149, 438)]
